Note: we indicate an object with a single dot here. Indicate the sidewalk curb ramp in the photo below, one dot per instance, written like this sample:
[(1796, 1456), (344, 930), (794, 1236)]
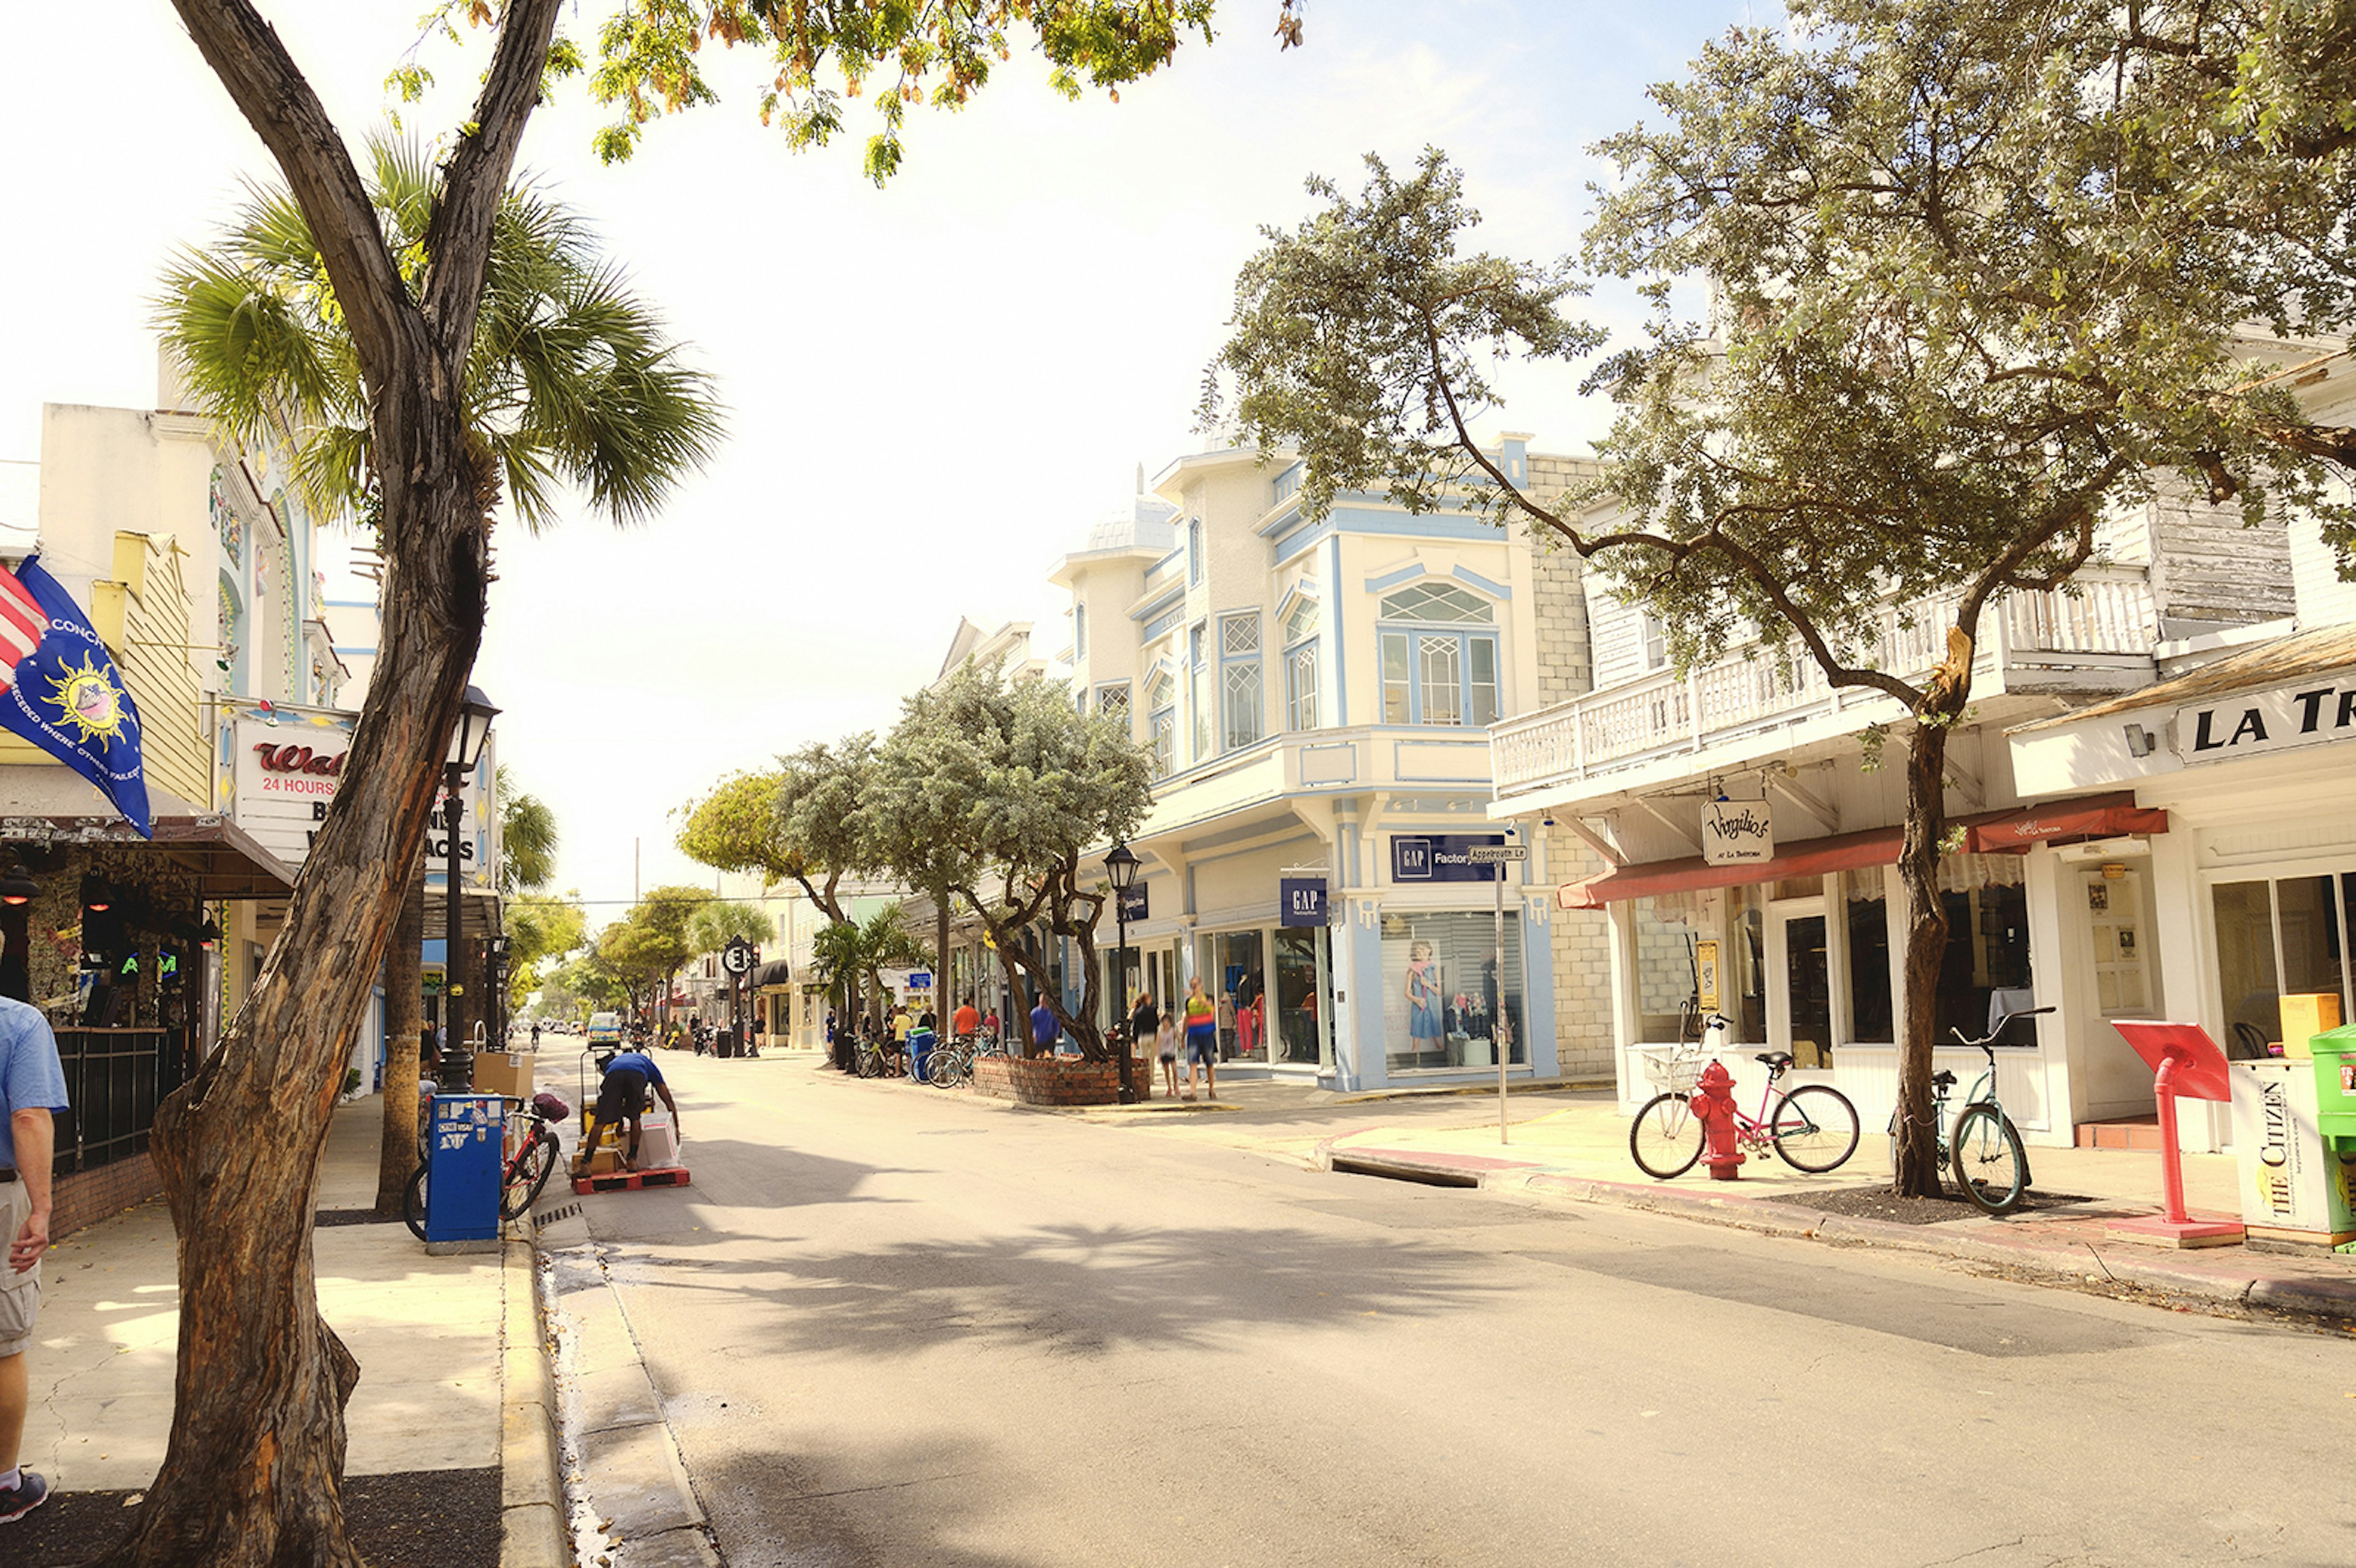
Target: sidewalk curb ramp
[(2237, 1283), (531, 1495)]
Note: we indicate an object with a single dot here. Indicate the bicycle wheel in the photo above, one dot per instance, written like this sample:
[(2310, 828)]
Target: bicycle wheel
[(1815, 1128), (413, 1202), (1666, 1137), (534, 1163), (1989, 1163)]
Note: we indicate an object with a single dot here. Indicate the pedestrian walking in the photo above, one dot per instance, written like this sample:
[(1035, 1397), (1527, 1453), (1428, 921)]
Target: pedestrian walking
[(989, 1026), (1202, 1040), (1045, 1029), (32, 1095), (965, 1021), (1165, 1050)]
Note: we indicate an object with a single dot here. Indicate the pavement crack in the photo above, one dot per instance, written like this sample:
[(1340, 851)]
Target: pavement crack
[(884, 1486), (2016, 1541)]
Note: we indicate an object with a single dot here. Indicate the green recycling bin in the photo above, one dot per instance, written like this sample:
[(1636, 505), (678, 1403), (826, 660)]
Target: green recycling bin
[(2335, 1086)]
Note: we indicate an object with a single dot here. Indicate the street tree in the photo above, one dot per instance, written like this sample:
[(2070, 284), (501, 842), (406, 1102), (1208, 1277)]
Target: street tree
[(539, 928), (801, 822), (851, 957), (1919, 387), (723, 921), (570, 378), (1001, 788), (252, 1474)]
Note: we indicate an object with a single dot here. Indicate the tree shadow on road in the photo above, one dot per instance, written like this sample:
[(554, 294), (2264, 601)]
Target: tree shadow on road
[(1082, 1290)]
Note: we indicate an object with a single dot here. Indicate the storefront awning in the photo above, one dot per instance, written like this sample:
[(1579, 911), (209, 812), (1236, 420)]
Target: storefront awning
[(221, 857), (1991, 833), (775, 972)]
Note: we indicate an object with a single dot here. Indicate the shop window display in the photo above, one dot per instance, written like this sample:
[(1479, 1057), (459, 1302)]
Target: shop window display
[(1744, 998), (1443, 992), (1986, 901), (1865, 904), (1665, 931)]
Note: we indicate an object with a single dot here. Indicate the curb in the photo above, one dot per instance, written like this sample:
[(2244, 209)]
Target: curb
[(531, 1494), (2241, 1287)]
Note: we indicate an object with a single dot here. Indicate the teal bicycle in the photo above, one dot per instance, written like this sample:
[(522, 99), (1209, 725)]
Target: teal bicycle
[(1984, 1148)]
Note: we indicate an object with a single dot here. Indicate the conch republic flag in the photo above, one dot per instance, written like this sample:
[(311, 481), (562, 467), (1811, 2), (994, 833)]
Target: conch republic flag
[(60, 690)]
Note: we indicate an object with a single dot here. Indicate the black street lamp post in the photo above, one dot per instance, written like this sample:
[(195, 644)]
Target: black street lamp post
[(1121, 866), (475, 716)]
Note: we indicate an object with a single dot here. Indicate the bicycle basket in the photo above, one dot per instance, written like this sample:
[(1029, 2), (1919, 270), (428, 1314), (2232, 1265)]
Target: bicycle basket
[(551, 1106), (1673, 1069)]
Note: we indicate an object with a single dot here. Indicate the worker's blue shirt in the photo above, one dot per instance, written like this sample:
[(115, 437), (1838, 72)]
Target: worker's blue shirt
[(31, 1076), (636, 1061), (1044, 1028)]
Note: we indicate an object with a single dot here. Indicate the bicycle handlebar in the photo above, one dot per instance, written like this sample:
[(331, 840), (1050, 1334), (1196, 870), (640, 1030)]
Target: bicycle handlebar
[(1987, 1040)]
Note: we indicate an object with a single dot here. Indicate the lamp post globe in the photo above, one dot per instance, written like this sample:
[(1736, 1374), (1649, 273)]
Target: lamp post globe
[(476, 712)]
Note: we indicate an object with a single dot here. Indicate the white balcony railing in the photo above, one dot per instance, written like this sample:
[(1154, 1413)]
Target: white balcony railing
[(2106, 621)]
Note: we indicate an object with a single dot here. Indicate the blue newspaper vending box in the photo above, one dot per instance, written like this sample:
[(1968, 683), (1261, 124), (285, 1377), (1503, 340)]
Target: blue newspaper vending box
[(462, 1169)]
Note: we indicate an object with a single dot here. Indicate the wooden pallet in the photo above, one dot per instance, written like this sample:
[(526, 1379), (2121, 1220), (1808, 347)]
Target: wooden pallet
[(632, 1180)]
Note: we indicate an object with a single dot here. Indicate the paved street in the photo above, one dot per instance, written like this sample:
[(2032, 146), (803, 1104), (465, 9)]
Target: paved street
[(894, 1326)]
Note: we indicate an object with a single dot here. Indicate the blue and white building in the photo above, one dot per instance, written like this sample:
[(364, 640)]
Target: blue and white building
[(1317, 695)]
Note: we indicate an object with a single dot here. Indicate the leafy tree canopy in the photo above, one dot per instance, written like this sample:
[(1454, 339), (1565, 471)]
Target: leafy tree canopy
[(719, 922), (571, 380), (802, 821)]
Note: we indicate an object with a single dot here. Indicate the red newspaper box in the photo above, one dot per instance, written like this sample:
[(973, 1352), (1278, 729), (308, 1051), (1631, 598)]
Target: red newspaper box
[(2184, 1062)]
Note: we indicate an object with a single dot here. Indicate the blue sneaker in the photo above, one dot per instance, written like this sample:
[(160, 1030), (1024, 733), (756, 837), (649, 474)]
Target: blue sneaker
[(30, 1493)]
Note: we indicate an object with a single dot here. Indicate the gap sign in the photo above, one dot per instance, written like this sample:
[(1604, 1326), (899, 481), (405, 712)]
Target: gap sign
[(1442, 857), (1301, 900)]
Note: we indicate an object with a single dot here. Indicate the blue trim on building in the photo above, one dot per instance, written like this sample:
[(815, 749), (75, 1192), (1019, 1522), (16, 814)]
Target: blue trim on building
[(1162, 601), (1539, 1045), (1393, 578), (1333, 633), (1495, 589)]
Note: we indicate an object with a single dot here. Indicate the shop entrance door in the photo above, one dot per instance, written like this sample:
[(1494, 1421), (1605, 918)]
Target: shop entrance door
[(1799, 990), (1297, 997)]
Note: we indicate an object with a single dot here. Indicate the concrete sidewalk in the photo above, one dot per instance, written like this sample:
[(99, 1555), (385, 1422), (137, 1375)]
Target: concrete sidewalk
[(429, 1334), (1577, 1149)]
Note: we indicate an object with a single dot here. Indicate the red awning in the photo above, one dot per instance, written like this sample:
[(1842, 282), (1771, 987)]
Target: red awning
[(1990, 833)]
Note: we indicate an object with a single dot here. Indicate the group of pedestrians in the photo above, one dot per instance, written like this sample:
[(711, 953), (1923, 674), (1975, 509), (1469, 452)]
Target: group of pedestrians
[(1199, 1021)]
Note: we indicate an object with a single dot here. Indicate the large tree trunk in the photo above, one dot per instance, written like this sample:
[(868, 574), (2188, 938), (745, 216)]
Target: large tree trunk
[(404, 1026), (253, 1476), (944, 1006), (1915, 1151)]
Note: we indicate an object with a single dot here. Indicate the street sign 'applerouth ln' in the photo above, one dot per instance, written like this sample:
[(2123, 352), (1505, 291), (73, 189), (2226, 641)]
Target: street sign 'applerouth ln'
[(1493, 854)]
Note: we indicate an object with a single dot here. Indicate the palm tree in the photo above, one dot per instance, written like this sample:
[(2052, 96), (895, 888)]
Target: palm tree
[(527, 837), (571, 380), (851, 957)]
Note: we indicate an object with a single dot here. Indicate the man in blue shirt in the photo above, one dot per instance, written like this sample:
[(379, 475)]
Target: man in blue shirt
[(1045, 1029), (32, 1090), (621, 1100)]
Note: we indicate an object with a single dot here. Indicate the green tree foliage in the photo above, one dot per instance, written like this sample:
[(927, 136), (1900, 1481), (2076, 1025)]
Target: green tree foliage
[(850, 957), (571, 382), (538, 929), (1922, 377), (997, 788), (528, 837), (801, 822), (723, 921), (649, 59), (646, 949)]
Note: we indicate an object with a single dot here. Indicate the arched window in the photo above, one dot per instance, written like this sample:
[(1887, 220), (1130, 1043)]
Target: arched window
[(1300, 626), (1161, 723), (1193, 552), (1441, 668)]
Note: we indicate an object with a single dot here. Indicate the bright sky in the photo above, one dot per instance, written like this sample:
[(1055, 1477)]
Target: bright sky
[(934, 388)]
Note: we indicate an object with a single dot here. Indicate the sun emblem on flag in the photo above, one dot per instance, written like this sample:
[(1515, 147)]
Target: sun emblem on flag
[(90, 701)]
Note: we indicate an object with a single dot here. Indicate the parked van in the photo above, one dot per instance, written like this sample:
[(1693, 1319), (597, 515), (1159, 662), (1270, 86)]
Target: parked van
[(606, 1028)]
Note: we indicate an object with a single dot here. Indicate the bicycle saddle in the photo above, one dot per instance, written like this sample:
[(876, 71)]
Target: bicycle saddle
[(1776, 1058), (1942, 1079)]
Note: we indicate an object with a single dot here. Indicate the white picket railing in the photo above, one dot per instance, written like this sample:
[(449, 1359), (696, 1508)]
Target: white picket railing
[(2107, 613)]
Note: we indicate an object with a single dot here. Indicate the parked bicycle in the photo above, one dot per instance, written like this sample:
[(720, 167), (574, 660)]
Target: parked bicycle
[(950, 1065), (1984, 1148), (1813, 1128), (531, 1130)]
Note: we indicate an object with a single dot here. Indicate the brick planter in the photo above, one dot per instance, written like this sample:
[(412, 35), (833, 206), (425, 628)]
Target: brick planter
[(1048, 1081)]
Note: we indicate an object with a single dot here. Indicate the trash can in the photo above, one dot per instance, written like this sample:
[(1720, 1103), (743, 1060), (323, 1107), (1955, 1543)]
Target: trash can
[(724, 1042), (2334, 1052), (462, 1173), (920, 1051)]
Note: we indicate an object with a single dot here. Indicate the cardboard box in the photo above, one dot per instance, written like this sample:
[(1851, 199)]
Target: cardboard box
[(658, 1142), (504, 1073), (2306, 1015), (605, 1162)]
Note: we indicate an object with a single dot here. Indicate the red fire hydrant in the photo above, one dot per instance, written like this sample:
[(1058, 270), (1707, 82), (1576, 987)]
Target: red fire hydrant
[(1713, 1102)]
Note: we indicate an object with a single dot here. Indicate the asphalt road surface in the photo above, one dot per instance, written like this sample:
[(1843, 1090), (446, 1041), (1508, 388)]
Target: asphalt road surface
[(891, 1327)]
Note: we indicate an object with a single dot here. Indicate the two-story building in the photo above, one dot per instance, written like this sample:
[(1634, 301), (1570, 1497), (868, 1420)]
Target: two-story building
[(2074, 873), (1316, 695)]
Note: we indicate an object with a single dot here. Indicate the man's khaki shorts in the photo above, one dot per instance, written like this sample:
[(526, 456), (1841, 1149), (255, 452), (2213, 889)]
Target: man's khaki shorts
[(20, 1294)]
